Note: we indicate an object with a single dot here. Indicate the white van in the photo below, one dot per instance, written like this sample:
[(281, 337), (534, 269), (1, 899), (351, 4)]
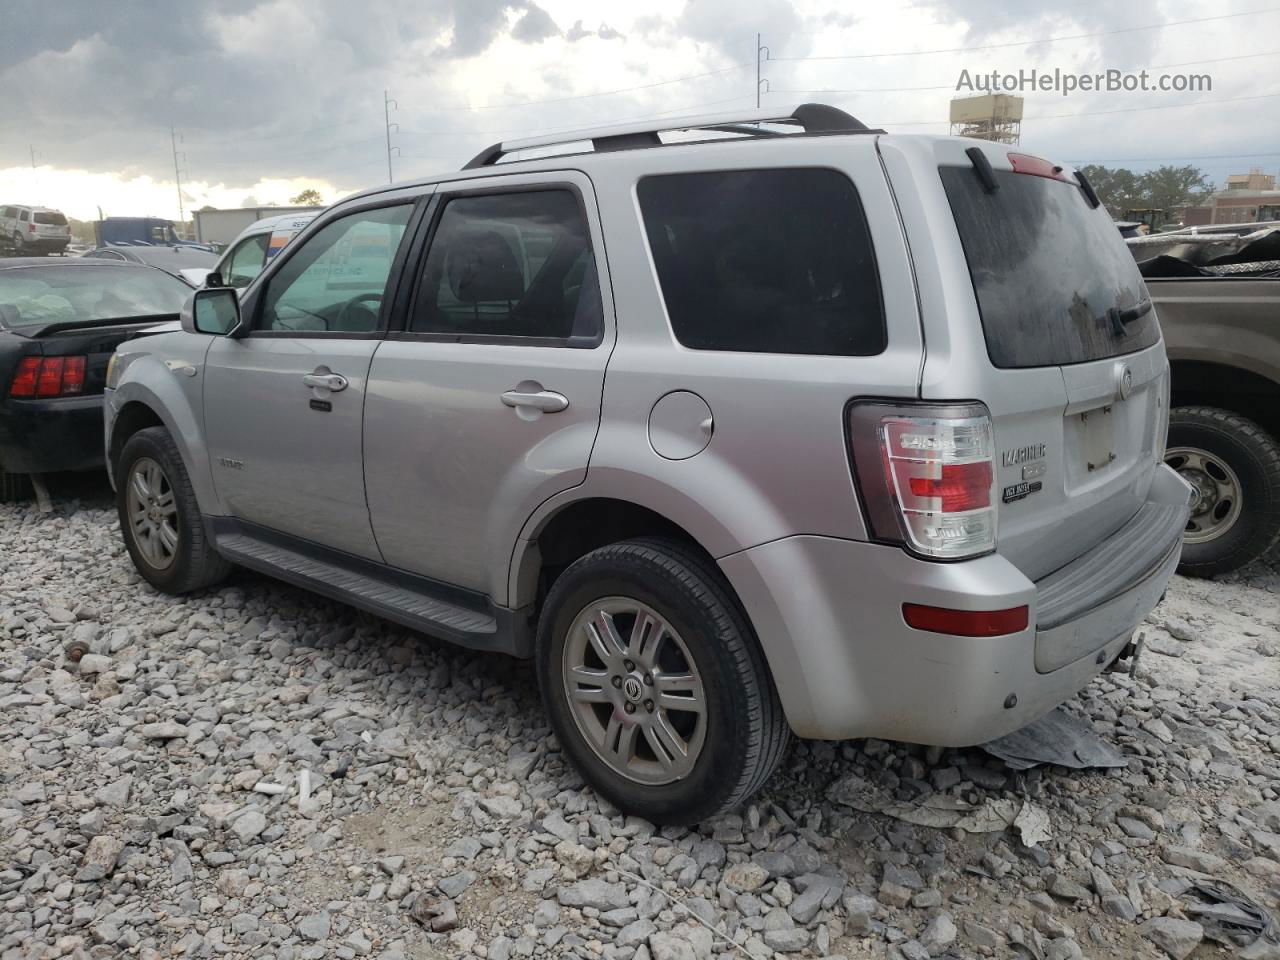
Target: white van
[(256, 244)]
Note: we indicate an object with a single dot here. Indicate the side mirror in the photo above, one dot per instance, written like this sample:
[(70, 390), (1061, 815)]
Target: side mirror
[(214, 311), (213, 279)]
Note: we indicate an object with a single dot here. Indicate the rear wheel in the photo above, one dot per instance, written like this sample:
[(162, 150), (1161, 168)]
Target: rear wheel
[(655, 684), (1233, 466), (19, 247), (159, 516)]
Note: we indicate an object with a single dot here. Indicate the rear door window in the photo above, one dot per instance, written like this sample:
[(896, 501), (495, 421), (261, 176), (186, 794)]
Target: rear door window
[(1047, 270), (766, 261), (511, 265), (51, 219)]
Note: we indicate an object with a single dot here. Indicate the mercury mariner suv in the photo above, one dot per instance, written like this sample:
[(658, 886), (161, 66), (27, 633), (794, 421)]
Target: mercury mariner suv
[(736, 426)]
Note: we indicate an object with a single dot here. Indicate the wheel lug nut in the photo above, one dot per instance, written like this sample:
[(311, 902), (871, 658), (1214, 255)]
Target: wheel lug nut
[(616, 681), (648, 705), (630, 708), (629, 665), (648, 679)]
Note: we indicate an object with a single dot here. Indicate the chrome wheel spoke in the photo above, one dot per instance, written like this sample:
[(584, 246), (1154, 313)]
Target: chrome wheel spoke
[(681, 691), (604, 637), (168, 538), (590, 685), (667, 745), (646, 635), (619, 740), (140, 486)]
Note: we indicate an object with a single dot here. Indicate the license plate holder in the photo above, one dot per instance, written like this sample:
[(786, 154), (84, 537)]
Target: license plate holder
[(1098, 438)]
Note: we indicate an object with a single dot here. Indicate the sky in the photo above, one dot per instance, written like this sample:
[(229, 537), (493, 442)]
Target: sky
[(267, 97)]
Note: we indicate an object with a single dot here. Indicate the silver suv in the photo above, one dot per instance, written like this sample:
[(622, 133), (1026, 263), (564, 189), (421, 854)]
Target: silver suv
[(737, 426), (28, 231)]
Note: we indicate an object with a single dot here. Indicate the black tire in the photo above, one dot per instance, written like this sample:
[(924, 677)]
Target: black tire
[(13, 486), (1253, 456), (18, 245), (195, 564), (745, 734)]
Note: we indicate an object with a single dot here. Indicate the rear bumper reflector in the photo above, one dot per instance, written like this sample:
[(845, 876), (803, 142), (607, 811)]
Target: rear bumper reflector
[(966, 623)]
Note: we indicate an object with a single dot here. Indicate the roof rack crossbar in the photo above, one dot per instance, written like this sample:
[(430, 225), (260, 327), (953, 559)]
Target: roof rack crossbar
[(817, 118)]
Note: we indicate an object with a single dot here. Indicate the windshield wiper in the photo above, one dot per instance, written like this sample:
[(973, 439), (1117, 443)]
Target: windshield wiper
[(1122, 316)]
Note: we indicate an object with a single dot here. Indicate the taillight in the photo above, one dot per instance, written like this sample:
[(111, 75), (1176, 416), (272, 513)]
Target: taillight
[(926, 476), (48, 377), (31, 228), (24, 381)]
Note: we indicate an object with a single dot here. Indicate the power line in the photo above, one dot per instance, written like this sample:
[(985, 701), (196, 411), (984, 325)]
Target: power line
[(950, 86), (1211, 156), (1091, 113), (1029, 43), (602, 93)]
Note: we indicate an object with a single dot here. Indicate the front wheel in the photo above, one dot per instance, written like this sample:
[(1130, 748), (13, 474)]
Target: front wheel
[(159, 516), (1233, 466), (655, 683)]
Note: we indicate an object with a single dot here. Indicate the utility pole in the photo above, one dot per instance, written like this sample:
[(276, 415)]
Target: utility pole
[(33, 155), (762, 54), (177, 177), (388, 104)]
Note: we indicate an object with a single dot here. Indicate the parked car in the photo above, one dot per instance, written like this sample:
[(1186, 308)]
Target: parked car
[(60, 320), (32, 231), (1218, 293), (255, 245), (777, 461), (191, 264)]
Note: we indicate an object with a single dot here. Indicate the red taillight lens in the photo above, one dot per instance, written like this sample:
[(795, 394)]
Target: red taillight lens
[(24, 381), (73, 375), (925, 473), (962, 486), (48, 377), (31, 228), (50, 382), (966, 623)]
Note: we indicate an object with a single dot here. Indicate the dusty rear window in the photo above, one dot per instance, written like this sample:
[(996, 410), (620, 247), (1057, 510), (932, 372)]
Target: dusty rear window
[(1047, 270)]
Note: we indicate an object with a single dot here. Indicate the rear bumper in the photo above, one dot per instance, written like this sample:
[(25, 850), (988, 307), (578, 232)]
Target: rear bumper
[(829, 616), (44, 436)]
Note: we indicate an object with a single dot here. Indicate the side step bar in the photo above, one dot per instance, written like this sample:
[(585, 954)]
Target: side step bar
[(411, 601)]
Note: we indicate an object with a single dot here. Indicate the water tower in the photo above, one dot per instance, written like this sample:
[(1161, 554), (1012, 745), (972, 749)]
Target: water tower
[(993, 116)]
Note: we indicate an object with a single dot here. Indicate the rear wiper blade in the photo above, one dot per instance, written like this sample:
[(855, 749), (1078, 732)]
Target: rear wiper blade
[(41, 331), (1121, 316)]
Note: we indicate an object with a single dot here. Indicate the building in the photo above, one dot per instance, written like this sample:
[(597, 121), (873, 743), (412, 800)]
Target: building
[(1249, 198), (993, 116)]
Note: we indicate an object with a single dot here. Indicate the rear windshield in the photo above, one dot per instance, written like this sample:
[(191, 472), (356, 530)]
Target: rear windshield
[(1047, 270), (54, 219), (770, 261), (40, 295)]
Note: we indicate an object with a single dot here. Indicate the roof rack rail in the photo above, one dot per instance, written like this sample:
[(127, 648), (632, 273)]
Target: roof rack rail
[(812, 118)]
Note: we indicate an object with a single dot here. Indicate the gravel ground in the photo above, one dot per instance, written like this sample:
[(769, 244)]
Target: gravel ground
[(257, 772)]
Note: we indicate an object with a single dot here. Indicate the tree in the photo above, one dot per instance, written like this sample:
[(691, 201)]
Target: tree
[(309, 197), (1165, 188), (1168, 188), (1119, 189)]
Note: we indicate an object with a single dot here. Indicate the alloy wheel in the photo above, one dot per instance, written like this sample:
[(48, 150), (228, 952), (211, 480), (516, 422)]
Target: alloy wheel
[(153, 513), (1217, 498), (634, 691)]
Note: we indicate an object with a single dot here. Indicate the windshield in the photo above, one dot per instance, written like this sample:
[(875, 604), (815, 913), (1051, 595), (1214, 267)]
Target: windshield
[(1047, 270), (39, 295)]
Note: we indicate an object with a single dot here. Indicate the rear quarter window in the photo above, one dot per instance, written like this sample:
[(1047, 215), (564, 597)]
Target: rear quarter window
[(765, 261)]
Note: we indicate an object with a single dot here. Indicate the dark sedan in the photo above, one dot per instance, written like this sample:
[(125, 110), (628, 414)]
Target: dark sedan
[(60, 321)]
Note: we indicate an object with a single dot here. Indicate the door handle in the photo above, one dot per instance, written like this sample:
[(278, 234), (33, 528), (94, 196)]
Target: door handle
[(332, 382), (548, 401)]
